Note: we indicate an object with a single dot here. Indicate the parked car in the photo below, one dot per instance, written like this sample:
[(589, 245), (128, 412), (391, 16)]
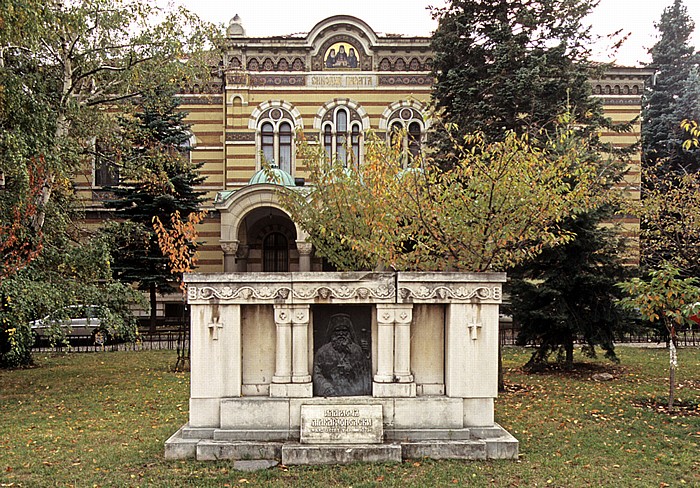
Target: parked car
[(73, 321)]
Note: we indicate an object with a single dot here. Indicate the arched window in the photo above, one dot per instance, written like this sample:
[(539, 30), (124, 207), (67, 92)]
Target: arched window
[(415, 133), (408, 124), (342, 136), (276, 138), (275, 253)]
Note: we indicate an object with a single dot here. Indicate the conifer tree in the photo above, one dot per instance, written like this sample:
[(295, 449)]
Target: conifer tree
[(518, 66), (160, 181), (674, 94)]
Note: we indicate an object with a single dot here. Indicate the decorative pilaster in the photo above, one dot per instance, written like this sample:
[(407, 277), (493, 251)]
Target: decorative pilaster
[(385, 344), (403, 315), (283, 352), (292, 378), (300, 344), (394, 378)]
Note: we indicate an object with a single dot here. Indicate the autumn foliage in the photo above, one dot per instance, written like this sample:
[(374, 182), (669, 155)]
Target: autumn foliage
[(499, 206), (178, 242), (19, 243)]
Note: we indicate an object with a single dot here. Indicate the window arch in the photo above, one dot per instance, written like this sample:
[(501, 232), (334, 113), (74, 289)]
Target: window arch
[(342, 135), (275, 138)]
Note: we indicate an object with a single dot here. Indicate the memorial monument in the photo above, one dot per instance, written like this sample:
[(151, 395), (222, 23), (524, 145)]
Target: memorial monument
[(313, 368)]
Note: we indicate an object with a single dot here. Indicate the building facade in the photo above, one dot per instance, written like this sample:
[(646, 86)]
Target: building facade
[(333, 85)]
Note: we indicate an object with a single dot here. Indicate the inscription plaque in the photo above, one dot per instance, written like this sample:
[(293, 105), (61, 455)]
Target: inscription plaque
[(342, 424)]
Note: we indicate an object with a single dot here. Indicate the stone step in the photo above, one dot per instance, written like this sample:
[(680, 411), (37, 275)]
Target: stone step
[(340, 453), (211, 450), (436, 449), (408, 435)]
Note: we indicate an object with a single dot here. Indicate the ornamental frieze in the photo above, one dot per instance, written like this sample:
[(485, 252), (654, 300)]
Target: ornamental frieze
[(277, 80), (240, 137), (405, 80), (447, 293)]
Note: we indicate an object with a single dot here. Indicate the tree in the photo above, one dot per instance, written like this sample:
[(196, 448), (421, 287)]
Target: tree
[(499, 206), (93, 54), (516, 66), (65, 273), (668, 299), (568, 292), (674, 96), (670, 220), (160, 183), (512, 66)]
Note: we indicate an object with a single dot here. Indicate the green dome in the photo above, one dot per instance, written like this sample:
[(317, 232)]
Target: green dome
[(274, 176)]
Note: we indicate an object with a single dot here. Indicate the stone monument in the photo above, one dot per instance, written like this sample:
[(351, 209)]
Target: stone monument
[(313, 368)]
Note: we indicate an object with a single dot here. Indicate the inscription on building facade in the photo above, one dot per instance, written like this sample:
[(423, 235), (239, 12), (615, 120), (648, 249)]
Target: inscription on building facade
[(345, 81), (341, 424)]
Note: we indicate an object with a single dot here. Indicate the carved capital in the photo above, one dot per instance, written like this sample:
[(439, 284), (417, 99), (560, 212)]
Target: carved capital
[(304, 248), (229, 247)]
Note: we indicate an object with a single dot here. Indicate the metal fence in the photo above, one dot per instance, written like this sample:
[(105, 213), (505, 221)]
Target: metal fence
[(686, 338), (170, 340)]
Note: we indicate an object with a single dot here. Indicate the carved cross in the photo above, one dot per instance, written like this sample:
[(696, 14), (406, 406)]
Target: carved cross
[(214, 328), (473, 329)]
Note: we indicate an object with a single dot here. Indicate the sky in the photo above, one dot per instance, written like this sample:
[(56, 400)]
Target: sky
[(412, 17)]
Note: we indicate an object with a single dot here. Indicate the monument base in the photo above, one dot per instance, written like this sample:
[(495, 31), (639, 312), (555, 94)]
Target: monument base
[(475, 443)]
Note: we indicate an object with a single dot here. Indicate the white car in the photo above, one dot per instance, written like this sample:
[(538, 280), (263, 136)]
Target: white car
[(74, 320)]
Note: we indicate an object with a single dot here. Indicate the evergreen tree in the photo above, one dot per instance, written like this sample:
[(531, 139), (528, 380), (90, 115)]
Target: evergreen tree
[(673, 96), (569, 292), (160, 180), (519, 66), (516, 66)]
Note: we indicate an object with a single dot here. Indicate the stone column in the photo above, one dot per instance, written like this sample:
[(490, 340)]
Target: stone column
[(385, 344), (230, 249), (242, 258), (292, 378), (403, 316), (394, 378), (305, 249), (283, 352)]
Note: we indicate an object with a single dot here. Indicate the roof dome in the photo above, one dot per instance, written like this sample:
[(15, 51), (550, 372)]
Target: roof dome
[(274, 175), (235, 27)]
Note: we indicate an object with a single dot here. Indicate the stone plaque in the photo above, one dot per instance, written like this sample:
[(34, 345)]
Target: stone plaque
[(342, 424)]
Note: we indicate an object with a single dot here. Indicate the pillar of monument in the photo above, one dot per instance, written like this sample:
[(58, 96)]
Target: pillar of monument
[(292, 378), (403, 315), (300, 344), (385, 344), (283, 352)]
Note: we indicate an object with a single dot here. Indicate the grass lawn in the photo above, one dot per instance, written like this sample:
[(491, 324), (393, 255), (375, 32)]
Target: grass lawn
[(100, 419)]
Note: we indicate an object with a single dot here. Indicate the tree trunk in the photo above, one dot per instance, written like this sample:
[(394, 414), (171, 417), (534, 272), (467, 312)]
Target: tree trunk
[(501, 383), (569, 348), (673, 362), (154, 308)]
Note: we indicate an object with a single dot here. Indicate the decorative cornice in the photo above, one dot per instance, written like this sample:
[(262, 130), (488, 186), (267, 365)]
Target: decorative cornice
[(308, 288)]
